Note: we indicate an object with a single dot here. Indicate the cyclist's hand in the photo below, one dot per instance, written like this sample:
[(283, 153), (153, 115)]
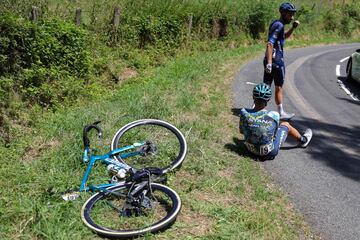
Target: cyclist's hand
[(268, 68), (296, 23)]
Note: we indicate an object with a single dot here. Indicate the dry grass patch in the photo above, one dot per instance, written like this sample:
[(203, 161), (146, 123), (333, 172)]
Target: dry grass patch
[(126, 74), (35, 150), (196, 224), (214, 198), (227, 173), (189, 117)]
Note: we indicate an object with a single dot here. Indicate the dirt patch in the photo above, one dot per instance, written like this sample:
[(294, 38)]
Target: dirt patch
[(37, 148), (189, 117), (227, 173), (126, 74), (183, 177), (204, 90)]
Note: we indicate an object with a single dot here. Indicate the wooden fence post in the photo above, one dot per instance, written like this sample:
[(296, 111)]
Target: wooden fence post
[(190, 26), (78, 16), (319, 7), (115, 22), (34, 14), (215, 27), (116, 17)]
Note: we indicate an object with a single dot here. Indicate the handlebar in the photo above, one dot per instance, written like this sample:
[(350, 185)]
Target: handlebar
[(87, 129)]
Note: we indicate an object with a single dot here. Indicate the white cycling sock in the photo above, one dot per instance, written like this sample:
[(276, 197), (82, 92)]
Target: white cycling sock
[(280, 108)]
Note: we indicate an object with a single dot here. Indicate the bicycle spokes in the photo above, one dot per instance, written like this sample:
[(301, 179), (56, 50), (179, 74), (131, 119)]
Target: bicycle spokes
[(120, 213)]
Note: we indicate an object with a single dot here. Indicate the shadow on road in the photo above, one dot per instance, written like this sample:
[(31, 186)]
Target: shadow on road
[(336, 146)]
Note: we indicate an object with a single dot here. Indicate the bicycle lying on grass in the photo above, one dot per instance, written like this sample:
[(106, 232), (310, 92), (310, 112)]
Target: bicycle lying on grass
[(134, 201)]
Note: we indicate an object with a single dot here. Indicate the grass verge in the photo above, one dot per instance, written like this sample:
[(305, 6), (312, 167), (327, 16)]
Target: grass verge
[(225, 196)]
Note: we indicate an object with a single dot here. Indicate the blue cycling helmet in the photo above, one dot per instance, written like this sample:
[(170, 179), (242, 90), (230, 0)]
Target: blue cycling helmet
[(262, 91), (287, 7)]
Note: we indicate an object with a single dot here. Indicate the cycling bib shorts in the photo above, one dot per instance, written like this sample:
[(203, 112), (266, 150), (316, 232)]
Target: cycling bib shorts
[(277, 74)]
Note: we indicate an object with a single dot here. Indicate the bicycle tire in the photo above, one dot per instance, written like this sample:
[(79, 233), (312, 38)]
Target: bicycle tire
[(91, 213), (170, 142)]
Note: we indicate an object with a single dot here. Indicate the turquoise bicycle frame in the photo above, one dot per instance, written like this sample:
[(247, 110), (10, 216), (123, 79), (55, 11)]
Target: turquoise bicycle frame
[(106, 159)]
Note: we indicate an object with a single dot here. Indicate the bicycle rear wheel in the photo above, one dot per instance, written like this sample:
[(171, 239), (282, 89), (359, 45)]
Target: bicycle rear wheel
[(169, 142), (103, 212)]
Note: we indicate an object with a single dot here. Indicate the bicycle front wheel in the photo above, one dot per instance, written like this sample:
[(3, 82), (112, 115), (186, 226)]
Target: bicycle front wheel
[(168, 143), (104, 212)]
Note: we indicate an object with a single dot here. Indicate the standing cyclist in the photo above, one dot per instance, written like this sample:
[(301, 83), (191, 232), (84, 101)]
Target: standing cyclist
[(262, 129), (274, 66)]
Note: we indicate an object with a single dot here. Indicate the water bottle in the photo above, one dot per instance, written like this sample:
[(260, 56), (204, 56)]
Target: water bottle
[(121, 173), (115, 170)]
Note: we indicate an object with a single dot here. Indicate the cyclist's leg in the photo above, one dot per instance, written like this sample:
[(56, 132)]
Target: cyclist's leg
[(293, 132), (304, 139), (280, 137), (279, 77)]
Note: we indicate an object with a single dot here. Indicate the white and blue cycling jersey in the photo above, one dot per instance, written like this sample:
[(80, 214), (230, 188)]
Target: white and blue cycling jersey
[(261, 131), (277, 38)]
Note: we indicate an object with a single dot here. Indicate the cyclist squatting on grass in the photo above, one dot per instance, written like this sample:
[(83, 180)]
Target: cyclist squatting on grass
[(274, 66), (263, 131)]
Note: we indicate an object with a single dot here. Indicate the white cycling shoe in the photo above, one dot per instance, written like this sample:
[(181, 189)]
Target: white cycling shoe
[(286, 116), (308, 134)]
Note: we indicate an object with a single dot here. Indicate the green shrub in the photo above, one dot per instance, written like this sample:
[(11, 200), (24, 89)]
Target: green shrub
[(148, 30), (350, 19), (42, 57), (343, 19), (6, 84), (44, 64), (306, 14), (332, 20)]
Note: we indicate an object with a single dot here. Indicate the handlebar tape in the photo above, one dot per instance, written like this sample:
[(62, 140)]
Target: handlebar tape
[(87, 128)]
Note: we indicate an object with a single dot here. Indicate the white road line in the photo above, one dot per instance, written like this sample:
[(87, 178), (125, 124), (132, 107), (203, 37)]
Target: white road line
[(344, 59), (341, 84), (250, 83), (338, 70), (355, 97)]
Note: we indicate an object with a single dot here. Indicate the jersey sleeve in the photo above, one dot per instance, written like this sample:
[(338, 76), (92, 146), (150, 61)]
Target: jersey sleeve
[(242, 118), (274, 31), (275, 115)]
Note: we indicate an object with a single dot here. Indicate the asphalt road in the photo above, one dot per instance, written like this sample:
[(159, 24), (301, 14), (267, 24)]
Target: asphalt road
[(323, 180)]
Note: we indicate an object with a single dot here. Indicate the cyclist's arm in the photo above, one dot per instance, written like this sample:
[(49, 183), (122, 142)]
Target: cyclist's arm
[(274, 31), (241, 126), (240, 129), (289, 32), (269, 52), (241, 121), (275, 115)]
